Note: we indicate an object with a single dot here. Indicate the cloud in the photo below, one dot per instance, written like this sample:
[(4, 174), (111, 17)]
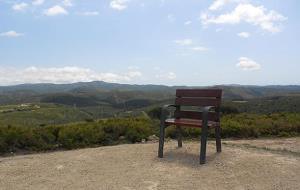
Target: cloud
[(90, 13), (188, 22), (119, 4), (20, 6), (60, 75), (133, 74), (199, 48), (171, 75), (189, 45), (219, 4), (67, 3), (255, 15), (244, 34), (166, 76), (171, 18), (11, 34), (247, 64), (38, 2), (184, 42), (55, 10)]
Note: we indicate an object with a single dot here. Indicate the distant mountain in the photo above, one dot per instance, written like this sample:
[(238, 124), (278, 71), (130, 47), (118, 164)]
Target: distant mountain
[(57, 88), (99, 93)]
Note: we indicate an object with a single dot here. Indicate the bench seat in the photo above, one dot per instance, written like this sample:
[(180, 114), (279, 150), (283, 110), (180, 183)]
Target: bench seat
[(189, 122)]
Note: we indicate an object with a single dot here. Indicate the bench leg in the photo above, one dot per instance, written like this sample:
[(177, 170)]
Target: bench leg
[(204, 134), (161, 141), (218, 138), (179, 136)]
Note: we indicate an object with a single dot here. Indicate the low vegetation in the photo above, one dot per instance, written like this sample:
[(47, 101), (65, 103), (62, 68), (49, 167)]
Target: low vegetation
[(50, 117), (76, 135), (251, 126), (130, 130)]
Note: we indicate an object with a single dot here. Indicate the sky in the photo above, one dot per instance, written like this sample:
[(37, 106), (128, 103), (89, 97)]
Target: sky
[(170, 42)]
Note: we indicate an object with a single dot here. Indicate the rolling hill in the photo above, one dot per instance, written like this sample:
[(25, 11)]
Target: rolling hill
[(99, 92)]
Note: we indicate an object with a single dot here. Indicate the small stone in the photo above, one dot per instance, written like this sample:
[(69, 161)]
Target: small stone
[(153, 138), (59, 167)]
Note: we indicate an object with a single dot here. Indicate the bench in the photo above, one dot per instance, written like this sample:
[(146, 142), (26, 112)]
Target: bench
[(198, 108)]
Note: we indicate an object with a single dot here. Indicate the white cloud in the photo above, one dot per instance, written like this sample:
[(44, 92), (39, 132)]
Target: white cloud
[(184, 42), (119, 4), (133, 74), (171, 18), (67, 3), (20, 6), (219, 29), (11, 34), (255, 15), (90, 13), (133, 71), (171, 75), (38, 2), (188, 22), (62, 75), (247, 64), (199, 48), (189, 45), (55, 10), (166, 76), (219, 4), (244, 34), (133, 67)]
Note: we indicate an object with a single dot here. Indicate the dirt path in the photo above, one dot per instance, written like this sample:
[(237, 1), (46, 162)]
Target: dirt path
[(128, 167)]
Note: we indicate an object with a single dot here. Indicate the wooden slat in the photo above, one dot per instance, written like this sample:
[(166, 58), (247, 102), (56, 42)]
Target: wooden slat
[(189, 122), (198, 102), (217, 93), (212, 116)]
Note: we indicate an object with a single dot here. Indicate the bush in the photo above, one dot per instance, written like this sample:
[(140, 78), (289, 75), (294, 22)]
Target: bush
[(3, 145), (80, 135), (134, 129), (131, 130), (229, 110), (249, 125), (138, 132), (155, 113), (31, 139), (104, 132)]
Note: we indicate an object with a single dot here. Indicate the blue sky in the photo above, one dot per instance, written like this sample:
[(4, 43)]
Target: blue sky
[(172, 42)]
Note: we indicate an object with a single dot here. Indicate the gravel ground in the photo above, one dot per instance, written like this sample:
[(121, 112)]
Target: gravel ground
[(136, 166)]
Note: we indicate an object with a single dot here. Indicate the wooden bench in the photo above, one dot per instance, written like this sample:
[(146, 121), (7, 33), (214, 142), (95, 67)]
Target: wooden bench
[(206, 115)]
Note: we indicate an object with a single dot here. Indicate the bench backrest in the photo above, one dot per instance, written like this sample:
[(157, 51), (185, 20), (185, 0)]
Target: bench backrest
[(198, 97)]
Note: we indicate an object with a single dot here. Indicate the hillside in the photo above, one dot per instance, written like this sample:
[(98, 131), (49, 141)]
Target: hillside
[(63, 103), (89, 92)]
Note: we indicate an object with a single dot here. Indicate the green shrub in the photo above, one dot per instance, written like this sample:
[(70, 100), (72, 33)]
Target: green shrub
[(155, 113), (131, 130), (80, 135), (137, 132), (3, 145)]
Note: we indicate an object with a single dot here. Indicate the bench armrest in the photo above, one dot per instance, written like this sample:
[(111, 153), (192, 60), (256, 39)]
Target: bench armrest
[(206, 108), (165, 112), (169, 105)]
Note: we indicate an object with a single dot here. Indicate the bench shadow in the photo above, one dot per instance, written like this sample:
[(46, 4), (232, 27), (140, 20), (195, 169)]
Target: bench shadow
[(187, 159)]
